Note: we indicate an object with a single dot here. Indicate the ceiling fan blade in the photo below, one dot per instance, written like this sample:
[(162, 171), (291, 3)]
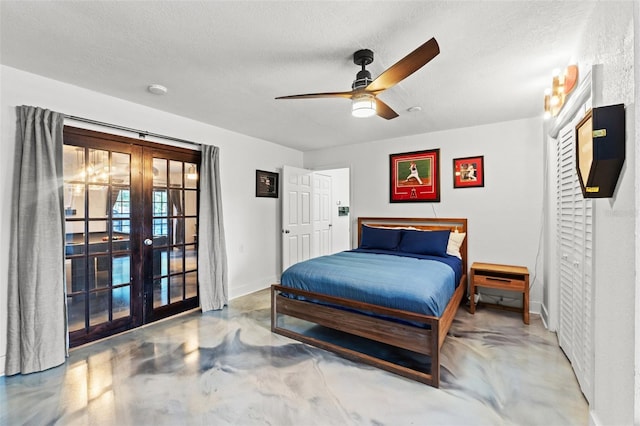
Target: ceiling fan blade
[(347, 95), (383, 110), (405, 67)]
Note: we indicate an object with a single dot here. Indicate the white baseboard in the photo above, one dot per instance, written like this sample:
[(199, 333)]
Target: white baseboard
[(535, 308), (544, 315), (2, 363), (250, 287)]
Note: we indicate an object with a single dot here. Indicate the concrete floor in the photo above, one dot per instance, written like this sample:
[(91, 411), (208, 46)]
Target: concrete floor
[(227, 368)]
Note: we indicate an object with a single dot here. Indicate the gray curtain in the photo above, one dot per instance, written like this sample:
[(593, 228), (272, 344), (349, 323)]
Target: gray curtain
[(212, 254), (37, 317)]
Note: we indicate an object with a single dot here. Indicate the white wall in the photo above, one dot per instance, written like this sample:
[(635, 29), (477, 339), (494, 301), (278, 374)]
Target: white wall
[(636, 53), (504, 217), (251, 224), (609, 40)]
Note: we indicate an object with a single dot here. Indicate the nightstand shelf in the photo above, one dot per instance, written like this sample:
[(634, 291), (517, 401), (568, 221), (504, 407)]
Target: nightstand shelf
[(502, 277)]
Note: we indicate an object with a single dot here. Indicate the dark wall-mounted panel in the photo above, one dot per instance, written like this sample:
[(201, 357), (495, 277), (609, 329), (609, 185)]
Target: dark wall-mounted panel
[(600, 150)]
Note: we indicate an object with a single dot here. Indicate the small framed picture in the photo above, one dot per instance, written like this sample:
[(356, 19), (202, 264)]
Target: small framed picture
[(415, 177), (468, 172), (266, 184)]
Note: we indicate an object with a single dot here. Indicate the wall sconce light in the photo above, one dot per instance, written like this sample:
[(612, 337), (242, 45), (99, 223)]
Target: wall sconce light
[(561, 85)]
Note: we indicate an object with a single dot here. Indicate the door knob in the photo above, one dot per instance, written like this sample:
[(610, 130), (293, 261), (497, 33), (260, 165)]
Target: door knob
[(148, 242)]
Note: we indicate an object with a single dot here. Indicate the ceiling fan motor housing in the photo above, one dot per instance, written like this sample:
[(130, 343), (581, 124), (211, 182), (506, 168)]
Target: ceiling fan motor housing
[(363, 58), (363, 78)]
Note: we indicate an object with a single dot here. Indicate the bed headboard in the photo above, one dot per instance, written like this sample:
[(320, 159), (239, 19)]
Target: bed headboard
[(459, 225)]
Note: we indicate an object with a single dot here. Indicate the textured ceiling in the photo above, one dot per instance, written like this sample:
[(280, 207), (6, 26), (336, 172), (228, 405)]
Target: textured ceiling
[(224, 62)]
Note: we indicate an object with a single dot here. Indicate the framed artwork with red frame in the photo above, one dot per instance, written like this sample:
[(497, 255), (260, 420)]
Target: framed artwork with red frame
[(415, 176), (468, 172)]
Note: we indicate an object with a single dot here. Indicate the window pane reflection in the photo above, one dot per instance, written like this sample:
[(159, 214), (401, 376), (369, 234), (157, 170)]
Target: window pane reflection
[(175, 174), (75, 312), (191, 230), (177, 291), (98, 307), (191, 258), (191, 175), (160, 203), (160, 292), (121, 302), (121, 270), (75, 274), (191, 284), (120, 168), (98, 237), (160, 262), (177, 259), (159, 172), (74, 238), (95, 227), (74, 196), (161, 229), (101, 271), (178, 230), (73, 163), (97, 169), (190, 203), (121, 231), (98, 197)]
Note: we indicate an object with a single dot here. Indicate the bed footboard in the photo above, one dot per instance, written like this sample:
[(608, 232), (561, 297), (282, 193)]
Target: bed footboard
[(332, 314)]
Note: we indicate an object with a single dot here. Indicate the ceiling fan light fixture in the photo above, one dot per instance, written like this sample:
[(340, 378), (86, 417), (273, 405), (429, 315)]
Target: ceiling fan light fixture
[(363, 105), (364, 90)]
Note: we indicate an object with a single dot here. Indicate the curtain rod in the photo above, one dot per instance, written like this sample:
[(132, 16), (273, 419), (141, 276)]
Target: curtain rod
[(141, 133)]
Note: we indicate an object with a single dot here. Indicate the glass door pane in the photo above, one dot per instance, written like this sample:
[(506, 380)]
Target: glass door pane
[(98, 248), (173, 224)]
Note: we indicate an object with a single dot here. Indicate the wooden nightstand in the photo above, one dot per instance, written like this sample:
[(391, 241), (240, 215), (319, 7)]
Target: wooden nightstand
[(503, 277)]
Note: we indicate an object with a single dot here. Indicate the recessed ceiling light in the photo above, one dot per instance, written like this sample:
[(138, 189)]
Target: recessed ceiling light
[(157, 89), (414, 109)]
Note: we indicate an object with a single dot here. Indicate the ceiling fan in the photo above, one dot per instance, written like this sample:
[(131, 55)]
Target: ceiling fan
[(365, 90)]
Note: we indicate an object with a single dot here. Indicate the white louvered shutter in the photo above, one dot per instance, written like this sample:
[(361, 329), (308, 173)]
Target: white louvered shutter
[(575, 249)]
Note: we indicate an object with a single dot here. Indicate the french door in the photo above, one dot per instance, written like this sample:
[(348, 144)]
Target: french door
[(131, 232)]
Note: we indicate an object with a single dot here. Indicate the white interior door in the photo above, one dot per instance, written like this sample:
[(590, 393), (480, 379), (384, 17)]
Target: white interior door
[(565, 190), (297, 226), (575, 249), (321, 241)]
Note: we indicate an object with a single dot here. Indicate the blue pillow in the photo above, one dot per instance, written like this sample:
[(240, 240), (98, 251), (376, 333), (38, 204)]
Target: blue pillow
[(380, 238), (425, 242)]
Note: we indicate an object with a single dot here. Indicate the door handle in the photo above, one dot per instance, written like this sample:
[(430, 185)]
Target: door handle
[(148, 242), (285, 231)]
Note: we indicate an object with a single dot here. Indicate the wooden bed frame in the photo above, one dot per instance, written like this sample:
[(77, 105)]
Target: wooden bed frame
[(422, 340)]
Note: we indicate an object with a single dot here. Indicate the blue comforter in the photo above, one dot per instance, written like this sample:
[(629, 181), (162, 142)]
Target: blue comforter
[(420, 285)]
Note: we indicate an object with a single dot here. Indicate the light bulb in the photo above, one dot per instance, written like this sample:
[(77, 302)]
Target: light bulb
[(363, 105)]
